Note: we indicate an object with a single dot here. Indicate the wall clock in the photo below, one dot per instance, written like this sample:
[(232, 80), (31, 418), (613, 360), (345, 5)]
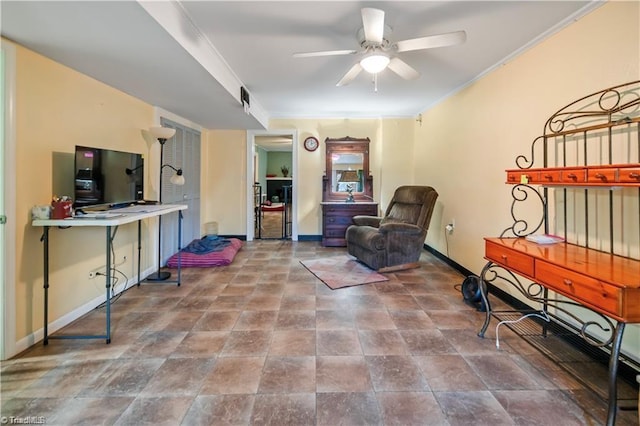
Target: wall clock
[(311, 143)]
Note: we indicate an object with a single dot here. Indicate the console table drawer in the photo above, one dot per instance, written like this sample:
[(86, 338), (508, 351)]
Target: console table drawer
[(512, 259), (599, 295)]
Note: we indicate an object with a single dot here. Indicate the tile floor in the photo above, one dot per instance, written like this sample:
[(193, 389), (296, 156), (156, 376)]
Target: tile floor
[(262, 341), (272, 225)]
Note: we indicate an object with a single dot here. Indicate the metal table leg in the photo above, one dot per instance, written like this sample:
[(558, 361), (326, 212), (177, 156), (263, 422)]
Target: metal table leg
[(179, 245), (45, 240), (139, 248), (108, 285), (485, 299), (613, 374)]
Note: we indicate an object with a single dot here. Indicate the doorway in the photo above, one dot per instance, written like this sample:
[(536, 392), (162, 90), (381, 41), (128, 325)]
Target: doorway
[(272, 195), (273, 215)]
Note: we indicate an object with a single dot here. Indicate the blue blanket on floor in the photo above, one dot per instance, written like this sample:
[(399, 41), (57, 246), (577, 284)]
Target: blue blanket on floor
[(206, 244)]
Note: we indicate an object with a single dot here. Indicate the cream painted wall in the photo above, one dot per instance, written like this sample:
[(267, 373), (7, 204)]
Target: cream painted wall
[(58, 108), (224, 153), (224, 185), (391, 144), (396, 158), (466, 142)]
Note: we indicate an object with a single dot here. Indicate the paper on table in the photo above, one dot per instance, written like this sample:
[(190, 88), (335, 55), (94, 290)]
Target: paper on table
[(544, 239)]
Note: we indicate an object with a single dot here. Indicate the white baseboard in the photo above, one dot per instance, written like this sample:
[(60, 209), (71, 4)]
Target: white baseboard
[(38, 335)]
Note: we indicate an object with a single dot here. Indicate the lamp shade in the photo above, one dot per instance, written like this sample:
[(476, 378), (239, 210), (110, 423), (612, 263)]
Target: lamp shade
[(177, 179), (349, 176), (162, 132), (375, 62)]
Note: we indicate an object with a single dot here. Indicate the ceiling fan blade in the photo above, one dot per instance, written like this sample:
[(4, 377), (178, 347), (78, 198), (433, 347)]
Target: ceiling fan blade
[(403, 69), (430, 42), (373, 24), (350, 75), (324, 53)]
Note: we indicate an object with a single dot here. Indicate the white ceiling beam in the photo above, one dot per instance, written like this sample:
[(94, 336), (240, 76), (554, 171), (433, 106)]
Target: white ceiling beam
[(173, 18)]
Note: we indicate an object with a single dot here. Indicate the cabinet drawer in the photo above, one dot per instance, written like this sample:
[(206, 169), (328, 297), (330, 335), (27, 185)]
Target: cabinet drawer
[(350, 210), (605, 176), (550, 176), (518, 262), (335, 232), (629, 175), (573, 175), (337, 217), (522, 176), (366, 211), (592, 292), (338, 220)]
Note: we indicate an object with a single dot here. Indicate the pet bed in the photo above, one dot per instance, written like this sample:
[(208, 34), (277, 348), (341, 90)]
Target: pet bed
[(195, 259), (273, 207)]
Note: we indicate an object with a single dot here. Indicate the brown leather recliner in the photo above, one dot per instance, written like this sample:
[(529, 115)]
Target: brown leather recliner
[(394, 242)]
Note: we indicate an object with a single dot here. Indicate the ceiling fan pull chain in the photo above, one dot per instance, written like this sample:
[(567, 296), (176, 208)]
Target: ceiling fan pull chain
[(375, 82)]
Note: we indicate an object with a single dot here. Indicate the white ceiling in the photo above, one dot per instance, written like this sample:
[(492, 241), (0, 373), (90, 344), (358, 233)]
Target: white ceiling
[(191, 57)]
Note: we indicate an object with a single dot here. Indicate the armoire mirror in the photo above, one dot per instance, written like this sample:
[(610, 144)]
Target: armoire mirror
[(347, 167)]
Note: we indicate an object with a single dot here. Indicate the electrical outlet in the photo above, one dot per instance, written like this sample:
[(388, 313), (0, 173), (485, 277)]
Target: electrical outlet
[(451, 226), (101, 270), (94, 272)]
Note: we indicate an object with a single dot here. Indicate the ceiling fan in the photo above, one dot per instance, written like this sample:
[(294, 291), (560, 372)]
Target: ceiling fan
[(378, 53)]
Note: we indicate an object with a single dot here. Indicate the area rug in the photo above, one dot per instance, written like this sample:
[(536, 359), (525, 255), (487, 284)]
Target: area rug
[(342, 271)]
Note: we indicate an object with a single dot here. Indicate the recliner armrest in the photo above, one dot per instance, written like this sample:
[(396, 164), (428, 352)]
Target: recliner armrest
[(405, 228), (362, 220)]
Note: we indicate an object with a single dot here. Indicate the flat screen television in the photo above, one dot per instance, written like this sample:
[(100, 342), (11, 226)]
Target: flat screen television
[(104, 178)]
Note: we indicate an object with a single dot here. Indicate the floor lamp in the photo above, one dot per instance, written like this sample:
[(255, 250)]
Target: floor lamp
[(162, 134)]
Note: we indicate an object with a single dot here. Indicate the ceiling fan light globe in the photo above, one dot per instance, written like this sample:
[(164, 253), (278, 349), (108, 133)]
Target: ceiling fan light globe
[(374, 63)]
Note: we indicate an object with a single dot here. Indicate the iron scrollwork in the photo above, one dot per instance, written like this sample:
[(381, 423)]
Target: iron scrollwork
[(536, 293), (614, 105), (522, 161), (520, 227)]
